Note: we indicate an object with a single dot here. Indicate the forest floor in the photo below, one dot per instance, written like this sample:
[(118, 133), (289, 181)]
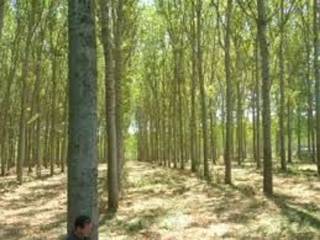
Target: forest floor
[(162, 203)]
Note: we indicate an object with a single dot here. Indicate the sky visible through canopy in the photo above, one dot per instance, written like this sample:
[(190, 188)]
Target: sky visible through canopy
[(147, 2)]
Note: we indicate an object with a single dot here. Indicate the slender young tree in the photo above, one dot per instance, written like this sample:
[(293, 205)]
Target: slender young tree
[(262, 23), (193, 125), (38, 72), (202, 91), (2, 12), (229, 120), (282, 91), (113, 180), (118, 76), (316, 22)]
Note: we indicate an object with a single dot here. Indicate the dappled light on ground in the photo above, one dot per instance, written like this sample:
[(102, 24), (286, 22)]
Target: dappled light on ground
[(162, 203)]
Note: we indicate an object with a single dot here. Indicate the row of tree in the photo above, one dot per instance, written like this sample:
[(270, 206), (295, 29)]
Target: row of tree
[(191, 80), (233, 78), (47, 121), (33, 96)]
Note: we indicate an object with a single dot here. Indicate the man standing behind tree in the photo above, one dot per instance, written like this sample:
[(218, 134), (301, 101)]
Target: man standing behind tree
[(82, 142), (82, 228)]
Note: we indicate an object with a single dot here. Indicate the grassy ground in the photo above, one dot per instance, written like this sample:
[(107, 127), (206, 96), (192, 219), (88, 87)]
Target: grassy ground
[(162, 203)]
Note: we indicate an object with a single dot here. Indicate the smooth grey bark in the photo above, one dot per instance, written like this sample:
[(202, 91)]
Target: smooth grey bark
[(262, 23), (82, 152)]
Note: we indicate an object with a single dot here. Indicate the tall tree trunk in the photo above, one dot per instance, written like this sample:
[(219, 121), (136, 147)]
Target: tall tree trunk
[(193, 126), (212, 105), (118, 76), (82, 152), (257, 101), (180, 101), (266, 87), (282, 93), (316, 22), (202, 93), (228, 147), (113, 183), (38, 72)]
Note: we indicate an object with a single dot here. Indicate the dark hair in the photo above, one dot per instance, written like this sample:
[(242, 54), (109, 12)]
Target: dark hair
[(81, 221)]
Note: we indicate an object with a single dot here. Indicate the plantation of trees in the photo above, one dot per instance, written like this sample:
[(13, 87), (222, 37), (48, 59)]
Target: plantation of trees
[(160, 119)]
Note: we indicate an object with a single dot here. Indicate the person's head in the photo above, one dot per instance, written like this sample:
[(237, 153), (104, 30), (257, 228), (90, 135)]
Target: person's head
[(83, 226)]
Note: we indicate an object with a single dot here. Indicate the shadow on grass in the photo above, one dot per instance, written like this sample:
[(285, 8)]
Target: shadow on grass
[(7, 185), (233, 203), (110, 214), (302, 214), (53, 225), (297, 170), (29, 198), (11, 232), (46, 176), (131, 225)]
